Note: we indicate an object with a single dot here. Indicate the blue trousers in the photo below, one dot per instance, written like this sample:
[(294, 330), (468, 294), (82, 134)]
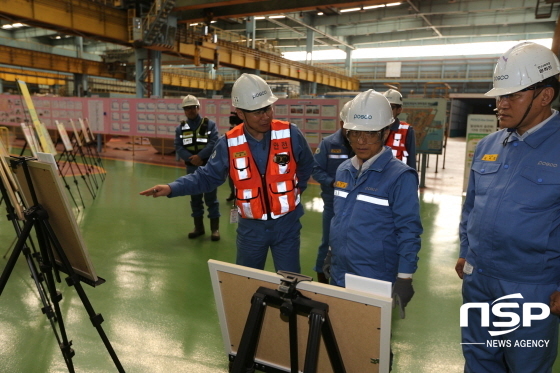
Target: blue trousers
[(255, 237), (499, 354), (210, 198), (328, 213)]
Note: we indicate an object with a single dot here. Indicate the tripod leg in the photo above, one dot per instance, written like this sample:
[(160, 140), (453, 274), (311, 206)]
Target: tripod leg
[(15, 255), (316, 319), (73, 280), (332, 347), (292, 324), (245, 357)]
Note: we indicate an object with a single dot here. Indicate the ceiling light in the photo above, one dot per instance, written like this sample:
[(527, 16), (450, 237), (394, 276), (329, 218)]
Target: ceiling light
[(259, 17), (374, 6), (320, 13), (350, 10), (277, 17), (193, 24), (393, 4), (7, 27)]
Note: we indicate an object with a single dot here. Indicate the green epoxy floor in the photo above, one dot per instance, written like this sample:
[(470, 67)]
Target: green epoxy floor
[(158, 304)]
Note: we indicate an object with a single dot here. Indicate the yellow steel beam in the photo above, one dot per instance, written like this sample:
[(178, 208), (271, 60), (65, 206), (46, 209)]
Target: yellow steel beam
[(31, 76), (45, 61), (104, 23), (87, 18), (53, 62)]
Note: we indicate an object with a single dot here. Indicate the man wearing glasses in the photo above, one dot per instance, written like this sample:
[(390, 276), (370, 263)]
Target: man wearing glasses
[(375, 231), (401, 137), (270, 163), (510, 224)]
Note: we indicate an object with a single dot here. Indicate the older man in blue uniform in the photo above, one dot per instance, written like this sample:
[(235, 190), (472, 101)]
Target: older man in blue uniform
[(510, 226), (376, 228)]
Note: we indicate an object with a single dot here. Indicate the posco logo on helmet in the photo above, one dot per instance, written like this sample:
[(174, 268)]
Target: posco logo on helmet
[(362, 116), (501, 77), (259, 94)]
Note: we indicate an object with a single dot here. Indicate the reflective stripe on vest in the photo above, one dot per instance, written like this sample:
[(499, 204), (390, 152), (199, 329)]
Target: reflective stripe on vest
[(273, 195), (397, 142)]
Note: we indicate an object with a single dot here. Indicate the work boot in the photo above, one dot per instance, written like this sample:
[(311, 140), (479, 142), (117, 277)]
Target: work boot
[(214, 228), (198, 227), (322, 278)]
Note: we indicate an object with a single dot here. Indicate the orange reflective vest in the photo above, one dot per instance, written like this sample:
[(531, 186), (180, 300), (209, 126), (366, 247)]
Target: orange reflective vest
[(397, 142), (273, 194)]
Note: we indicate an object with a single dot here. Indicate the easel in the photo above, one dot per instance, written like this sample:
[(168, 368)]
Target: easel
[(50, 260), (291, 302)]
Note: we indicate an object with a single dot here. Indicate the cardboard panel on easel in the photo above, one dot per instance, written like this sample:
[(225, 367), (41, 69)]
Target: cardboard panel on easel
[(360, 323), (52, 196)]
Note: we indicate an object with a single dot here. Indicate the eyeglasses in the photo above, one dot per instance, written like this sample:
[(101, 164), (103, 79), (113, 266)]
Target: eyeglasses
[(366, 137), (259, 112), (517, 95)]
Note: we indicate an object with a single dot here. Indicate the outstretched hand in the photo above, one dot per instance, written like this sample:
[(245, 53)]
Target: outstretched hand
[(157, 191)]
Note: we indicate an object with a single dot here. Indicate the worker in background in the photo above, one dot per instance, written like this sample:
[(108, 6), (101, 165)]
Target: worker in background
[(194, 141), (332, 151), (376, 228), (270, 163), (510, 223), (401, 138)]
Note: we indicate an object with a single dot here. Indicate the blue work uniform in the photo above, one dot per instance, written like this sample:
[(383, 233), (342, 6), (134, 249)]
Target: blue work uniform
[(376, 228), (510, 235), (332, 151), (254, 236), (210, 197), (410, 143)]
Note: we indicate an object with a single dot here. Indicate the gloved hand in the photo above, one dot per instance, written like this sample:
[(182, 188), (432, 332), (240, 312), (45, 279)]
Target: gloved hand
[(402, 293), (327, 265)]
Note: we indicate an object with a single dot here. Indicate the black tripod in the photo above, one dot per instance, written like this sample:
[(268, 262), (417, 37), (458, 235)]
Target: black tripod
[(50, 248), (291, 302)]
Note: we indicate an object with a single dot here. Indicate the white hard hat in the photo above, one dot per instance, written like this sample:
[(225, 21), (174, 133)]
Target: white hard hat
[(344, 111), (190, 100), (393, 96), (369, 111), (522, 66), (251, 92)]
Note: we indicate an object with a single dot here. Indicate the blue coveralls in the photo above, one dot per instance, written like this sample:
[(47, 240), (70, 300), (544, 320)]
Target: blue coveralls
[(211, 197), (376, 228), (330, 154), (510, 234), (254, 237), (410, 143)]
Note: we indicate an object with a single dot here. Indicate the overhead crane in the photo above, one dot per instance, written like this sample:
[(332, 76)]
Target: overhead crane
[(94, 20)]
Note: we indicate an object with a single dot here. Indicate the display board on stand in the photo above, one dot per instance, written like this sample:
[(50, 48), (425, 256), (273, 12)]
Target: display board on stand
[(361, 322)]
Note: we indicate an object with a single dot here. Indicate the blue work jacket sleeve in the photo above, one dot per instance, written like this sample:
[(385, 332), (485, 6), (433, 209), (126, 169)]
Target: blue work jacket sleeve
[(206, 178), (406, 215), (320, 167), (304, 157), (411, 147), (183, 153), (212, 139), (466, 211)]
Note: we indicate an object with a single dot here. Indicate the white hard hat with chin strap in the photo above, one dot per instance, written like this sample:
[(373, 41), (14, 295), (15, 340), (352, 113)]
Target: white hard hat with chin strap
[(393, 96), (521, 67), (190, 100), (369, 111), (250, 92)]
